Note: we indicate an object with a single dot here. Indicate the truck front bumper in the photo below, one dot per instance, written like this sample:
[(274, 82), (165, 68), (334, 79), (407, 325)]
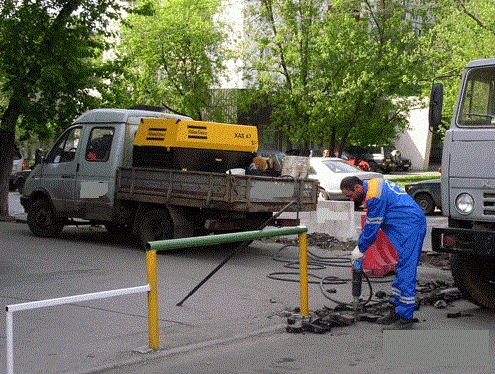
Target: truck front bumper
[(465, 241)]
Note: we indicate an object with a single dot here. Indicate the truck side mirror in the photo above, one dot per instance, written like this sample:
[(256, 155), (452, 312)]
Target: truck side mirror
[(436, 104)]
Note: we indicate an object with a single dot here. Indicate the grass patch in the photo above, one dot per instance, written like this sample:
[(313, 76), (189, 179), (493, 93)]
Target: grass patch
[(402, 181)]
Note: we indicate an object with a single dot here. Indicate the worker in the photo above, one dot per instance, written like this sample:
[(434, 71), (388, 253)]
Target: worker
[(397, 214)]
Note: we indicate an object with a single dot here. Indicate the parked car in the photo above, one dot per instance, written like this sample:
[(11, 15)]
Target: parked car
[(402, 164), (19, 180), (356, 161), (329, 171), (19, 164), (386, 159), (427, 194)]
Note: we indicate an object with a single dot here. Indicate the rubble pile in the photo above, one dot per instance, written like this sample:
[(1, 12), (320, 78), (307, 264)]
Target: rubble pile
[(437, 293), (323, 320)]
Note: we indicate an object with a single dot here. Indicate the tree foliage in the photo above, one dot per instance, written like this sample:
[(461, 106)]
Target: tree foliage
[(337, 74), (172, 55), (50, 63), (462, 31)]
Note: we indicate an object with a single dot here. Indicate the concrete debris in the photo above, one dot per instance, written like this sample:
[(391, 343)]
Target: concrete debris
[(451, 293), (440, 304), (458, 314), (325, 241), (381, 295), (318, 322), (323, 320), (435, 259), (437, 293), (367, 317)]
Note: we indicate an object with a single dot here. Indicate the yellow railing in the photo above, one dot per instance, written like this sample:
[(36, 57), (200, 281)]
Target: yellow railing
[(201, 241)]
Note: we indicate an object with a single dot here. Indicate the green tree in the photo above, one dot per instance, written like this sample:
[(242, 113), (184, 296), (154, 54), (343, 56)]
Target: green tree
[(280, 49), (50, 63), (463, 31), (369, 69), (173, 54), (336, 75)]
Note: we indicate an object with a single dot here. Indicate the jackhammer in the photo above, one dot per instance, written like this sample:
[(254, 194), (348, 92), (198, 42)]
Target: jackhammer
[(357, 281)]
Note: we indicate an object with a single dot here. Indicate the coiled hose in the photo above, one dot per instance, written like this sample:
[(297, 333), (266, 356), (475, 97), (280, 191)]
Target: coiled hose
[(316, 262)]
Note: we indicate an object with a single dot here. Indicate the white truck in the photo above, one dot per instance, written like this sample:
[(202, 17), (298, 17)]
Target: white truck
[(468, 183), (158, 176)]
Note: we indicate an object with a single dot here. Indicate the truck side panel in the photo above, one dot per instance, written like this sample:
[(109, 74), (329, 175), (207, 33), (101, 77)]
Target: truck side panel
[(215, 190)]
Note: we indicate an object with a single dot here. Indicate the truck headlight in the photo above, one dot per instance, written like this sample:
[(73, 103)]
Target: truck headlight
[(464, 203)]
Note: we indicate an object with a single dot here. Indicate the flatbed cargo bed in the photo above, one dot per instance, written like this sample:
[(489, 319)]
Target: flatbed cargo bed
[(207, 190)]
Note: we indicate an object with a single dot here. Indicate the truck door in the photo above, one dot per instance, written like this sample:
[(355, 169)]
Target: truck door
[(60, 169), (95, 183)]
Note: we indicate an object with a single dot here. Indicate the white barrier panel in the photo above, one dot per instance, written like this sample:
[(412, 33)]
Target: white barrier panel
[(332, 217), (59, 301), (335, 218)]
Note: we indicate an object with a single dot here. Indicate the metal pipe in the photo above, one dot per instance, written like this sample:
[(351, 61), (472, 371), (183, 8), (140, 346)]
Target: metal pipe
[(152, 300), (10, 309), (198, 241), (303, 273)]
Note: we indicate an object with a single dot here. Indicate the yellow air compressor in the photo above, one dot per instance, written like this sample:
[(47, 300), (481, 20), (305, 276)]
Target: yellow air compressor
[(194, 145)]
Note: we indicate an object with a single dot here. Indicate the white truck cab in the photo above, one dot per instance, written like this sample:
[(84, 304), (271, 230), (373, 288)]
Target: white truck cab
[(77, 176)]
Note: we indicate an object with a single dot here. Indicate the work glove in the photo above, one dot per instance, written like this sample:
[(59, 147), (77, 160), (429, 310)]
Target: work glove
[(357, 255)]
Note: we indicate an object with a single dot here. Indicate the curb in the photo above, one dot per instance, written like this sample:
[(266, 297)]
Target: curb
[(146, 355)]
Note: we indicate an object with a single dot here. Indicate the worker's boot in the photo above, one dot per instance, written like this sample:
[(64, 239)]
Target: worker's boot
[(389, 318), (401, 324)]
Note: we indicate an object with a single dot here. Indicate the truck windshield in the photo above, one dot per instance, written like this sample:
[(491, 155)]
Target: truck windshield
[(478, 100)]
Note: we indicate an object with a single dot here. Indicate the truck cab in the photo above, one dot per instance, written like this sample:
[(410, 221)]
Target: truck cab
[(468, 182), (76, 178)]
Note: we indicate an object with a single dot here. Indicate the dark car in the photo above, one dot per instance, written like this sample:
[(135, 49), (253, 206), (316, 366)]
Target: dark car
[(386, 159), (427, 194), (19, 179), (403, 164)]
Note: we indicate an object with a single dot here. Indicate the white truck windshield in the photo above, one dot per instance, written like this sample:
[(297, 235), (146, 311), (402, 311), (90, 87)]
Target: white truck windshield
[(478, 102)]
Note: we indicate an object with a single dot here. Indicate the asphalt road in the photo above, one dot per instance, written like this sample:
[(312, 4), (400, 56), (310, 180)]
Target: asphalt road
[(235, 323)]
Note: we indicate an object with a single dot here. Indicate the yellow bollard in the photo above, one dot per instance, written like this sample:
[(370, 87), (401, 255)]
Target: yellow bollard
[(303, 273), (152, 300)]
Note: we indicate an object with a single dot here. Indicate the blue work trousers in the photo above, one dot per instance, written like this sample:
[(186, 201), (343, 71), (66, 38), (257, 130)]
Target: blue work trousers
[(404, 283)]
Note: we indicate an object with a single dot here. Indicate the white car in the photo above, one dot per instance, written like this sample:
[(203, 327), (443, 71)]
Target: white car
[(329, 171), (18, 165)]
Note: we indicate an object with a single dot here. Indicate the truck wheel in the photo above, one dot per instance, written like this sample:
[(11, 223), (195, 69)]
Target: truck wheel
[(425, 202), (475, 278), (42, 221), (155, 225)]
